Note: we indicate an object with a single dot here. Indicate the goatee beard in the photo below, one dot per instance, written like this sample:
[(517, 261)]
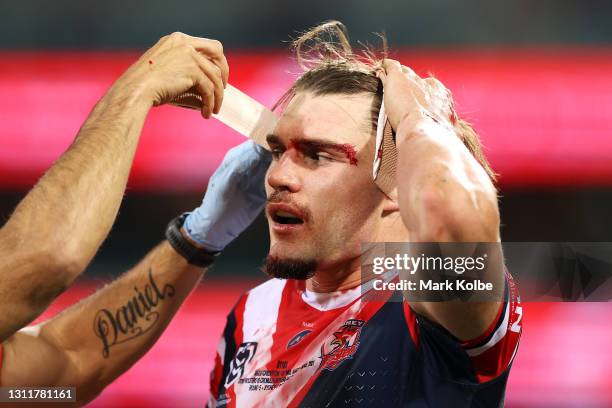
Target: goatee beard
[(289, 268)]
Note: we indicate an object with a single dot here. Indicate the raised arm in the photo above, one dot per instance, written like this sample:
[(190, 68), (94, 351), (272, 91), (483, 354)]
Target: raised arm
[(93, 342), (444, 194), (57, 228)]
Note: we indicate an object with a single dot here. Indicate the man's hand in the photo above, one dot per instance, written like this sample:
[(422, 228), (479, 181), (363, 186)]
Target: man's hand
[(444, 193), (411, 98), (178, 63), (235, 196), (58, 227)]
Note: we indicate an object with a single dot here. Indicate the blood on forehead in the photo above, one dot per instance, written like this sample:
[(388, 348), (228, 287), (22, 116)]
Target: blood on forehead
[(350, 153), (304, 145)]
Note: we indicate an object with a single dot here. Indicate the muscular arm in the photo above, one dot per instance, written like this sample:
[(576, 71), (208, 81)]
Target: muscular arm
[(93, 342), (57, 228), (446, 196)]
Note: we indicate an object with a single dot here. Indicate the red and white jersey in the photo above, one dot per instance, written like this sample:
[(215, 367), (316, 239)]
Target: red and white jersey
[(285, 346)]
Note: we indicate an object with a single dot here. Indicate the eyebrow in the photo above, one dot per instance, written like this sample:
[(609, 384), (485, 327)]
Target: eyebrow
[(319, 144)]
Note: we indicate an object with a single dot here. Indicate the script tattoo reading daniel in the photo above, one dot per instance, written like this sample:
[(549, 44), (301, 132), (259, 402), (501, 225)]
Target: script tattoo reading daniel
[(134, 318)]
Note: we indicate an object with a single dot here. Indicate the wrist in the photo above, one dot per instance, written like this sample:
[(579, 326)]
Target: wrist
[(185, 246), (200, 230), (411, 119), (421, 123), (188, 238), (132, 93)]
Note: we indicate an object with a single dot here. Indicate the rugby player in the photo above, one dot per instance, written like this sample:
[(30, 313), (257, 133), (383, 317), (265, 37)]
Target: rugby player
[(307, 337)]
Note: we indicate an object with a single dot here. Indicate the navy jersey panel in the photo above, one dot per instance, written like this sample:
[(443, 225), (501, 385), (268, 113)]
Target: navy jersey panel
[(378, 373), (391, 370)]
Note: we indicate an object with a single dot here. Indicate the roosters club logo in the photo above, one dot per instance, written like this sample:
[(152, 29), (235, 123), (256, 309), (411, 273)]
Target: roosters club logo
[(342, 346), (243, 355)]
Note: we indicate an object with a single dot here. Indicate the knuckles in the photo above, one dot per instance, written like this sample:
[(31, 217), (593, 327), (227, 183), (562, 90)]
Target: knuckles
[(217, 46), (209, 92), (169, 41), (177, 37)]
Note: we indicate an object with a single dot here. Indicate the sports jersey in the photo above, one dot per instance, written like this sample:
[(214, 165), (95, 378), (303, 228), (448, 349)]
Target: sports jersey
[(285, 346)]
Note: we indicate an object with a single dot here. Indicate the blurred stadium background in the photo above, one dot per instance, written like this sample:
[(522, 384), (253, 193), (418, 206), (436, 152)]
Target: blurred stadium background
[(534, 77)]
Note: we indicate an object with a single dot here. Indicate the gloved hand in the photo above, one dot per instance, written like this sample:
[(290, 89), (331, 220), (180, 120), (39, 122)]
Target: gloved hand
[(235, 196)]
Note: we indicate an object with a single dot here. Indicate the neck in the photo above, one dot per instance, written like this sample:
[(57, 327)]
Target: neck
[(348, 274), (336, 278)]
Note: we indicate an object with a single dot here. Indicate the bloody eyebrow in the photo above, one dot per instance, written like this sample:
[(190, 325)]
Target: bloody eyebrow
[(318, 144)]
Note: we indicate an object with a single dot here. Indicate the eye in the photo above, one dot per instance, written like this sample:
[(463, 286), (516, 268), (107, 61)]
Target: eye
[(317, 156), (276, 153)]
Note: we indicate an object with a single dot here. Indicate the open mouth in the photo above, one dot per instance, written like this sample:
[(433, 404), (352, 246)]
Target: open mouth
[(284, 218)]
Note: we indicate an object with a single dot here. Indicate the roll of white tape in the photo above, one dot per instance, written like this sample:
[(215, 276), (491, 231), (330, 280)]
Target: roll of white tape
[(239, 111)]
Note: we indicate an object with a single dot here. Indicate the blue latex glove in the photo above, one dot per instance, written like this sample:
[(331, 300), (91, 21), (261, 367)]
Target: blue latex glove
[(235, 196)]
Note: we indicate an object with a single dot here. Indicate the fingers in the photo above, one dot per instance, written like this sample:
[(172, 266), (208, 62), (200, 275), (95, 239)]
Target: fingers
[(402, 74), (442, 99), (435, 90), (205, 88), (181, 62), (393, 67), (390, 67), (212, 62), (409, 71), (213, 72), (212, 49), (436, 87)]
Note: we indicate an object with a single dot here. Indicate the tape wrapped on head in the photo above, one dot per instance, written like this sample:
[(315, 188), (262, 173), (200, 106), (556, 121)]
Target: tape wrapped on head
[(253, 120), (384, 169)]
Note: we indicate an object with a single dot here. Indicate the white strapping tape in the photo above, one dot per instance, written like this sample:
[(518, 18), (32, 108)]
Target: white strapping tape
[(239, 111), (380, 127), (246, 116)]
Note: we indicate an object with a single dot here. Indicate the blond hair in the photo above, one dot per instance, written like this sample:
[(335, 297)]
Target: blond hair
[(331, 66)]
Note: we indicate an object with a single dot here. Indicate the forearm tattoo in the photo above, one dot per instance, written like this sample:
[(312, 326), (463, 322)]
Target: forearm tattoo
[(133, 319)]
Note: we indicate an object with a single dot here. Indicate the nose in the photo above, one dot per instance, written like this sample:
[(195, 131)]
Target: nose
[(283, 173)]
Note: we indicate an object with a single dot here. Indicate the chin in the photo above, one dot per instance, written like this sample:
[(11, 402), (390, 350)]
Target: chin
[(289, 268)]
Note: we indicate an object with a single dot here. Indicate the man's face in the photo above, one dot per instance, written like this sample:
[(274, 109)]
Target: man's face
[(322, 200)]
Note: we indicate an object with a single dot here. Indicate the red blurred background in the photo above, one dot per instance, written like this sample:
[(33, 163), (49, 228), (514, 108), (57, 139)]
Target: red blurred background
[(544, 117)]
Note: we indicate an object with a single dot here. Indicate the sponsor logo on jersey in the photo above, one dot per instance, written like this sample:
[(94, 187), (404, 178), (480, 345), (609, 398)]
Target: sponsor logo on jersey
[(243, 355), (297, 338), (342, 346)]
